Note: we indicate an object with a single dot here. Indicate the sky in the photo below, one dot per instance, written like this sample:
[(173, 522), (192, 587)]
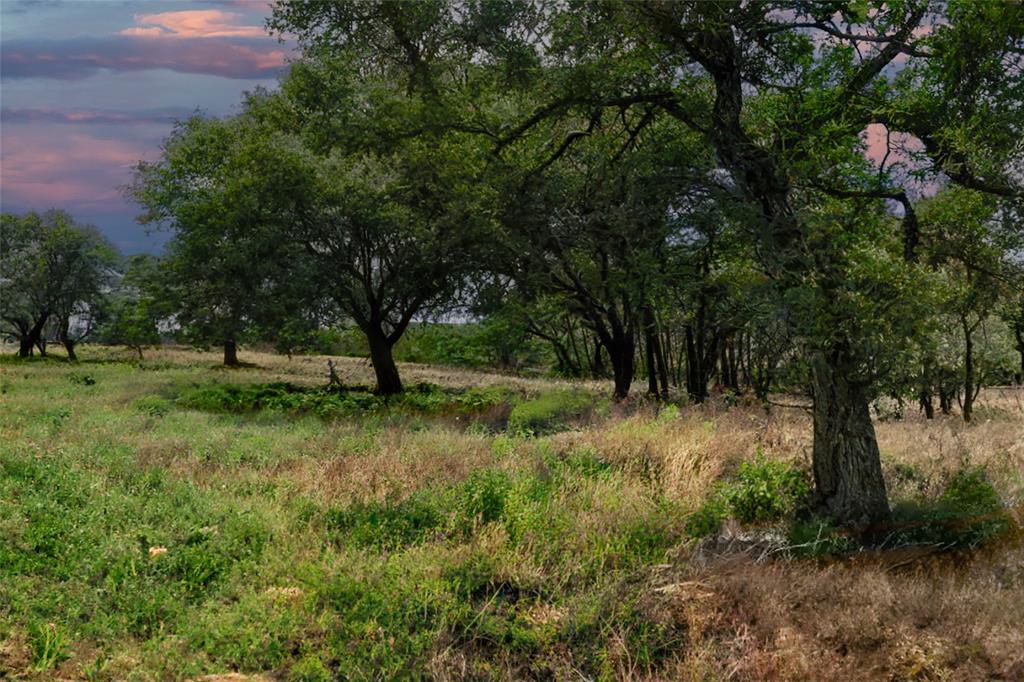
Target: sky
[(90, 87)]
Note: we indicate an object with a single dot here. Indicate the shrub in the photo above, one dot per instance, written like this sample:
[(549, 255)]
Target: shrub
[(966, 514), (766, 490), (761, 491), (549, 412), (708, 518)]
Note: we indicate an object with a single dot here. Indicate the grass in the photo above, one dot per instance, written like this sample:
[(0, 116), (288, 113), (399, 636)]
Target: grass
[(170, 520)]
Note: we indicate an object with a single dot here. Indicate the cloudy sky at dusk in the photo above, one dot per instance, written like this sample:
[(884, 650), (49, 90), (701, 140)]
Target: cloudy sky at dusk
[(89, 87)]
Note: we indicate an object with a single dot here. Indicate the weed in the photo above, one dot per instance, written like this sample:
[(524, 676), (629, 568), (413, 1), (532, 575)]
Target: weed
[(48, 645), (386, 525)]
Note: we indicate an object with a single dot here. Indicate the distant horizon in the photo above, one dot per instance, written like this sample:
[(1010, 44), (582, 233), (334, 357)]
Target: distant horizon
[(91, 88)]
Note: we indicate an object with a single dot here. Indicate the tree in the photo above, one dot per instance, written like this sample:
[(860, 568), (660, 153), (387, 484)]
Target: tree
[(393, 237), (965, 235), (53, 270), (1013, 313), (138, 306), (781, 92), (231, 268)]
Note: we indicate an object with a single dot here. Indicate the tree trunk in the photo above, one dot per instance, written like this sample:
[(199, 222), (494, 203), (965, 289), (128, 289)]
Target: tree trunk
[(693, 388), (621, 350), (925, 399), (230, 354), (650, 359), (969, 393), (34, 337), (1018, 334), (847, 468), (25, 346), (700, 364), (659, 355), (66, 340), (597, 370), (945, 400), (388, 381)]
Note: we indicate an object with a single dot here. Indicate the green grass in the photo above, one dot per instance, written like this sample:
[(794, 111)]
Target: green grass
[(156, 523), (150, 527), (551, 411)]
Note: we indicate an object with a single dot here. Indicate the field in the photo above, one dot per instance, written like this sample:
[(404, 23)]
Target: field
[(157, 525)]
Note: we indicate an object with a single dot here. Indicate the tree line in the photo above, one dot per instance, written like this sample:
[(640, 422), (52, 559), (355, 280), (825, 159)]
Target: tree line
[(676, 191)]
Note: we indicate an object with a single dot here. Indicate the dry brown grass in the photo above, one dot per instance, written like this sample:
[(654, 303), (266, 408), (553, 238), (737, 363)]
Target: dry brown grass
[(398, 463), (684, 455), (956, 618)]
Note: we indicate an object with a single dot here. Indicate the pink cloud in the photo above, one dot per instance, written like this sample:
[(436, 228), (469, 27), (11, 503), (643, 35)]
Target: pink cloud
[(44, 167), (82, 57), (152, 32), (259, 5), (209, 23)]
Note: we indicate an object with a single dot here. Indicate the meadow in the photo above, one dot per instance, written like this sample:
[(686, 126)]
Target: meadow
[(170, 519)]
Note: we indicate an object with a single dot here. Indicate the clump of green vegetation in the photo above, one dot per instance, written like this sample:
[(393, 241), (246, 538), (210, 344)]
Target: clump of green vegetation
[(324, 402), (82, 379), (968, 513), (153, 405), (762, 491), (550, 411), (275, 396), (452, 512), (386, 525), (48, 645)]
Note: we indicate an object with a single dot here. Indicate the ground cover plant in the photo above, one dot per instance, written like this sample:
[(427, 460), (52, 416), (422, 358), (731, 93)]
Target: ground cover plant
[(169, 520)]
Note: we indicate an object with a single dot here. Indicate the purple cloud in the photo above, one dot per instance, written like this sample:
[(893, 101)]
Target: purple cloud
[(93, 116), (75, 59)]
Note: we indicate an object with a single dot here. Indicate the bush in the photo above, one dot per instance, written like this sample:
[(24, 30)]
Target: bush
[(766, 490), (762, 491), (550, 412), (967, 513)]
